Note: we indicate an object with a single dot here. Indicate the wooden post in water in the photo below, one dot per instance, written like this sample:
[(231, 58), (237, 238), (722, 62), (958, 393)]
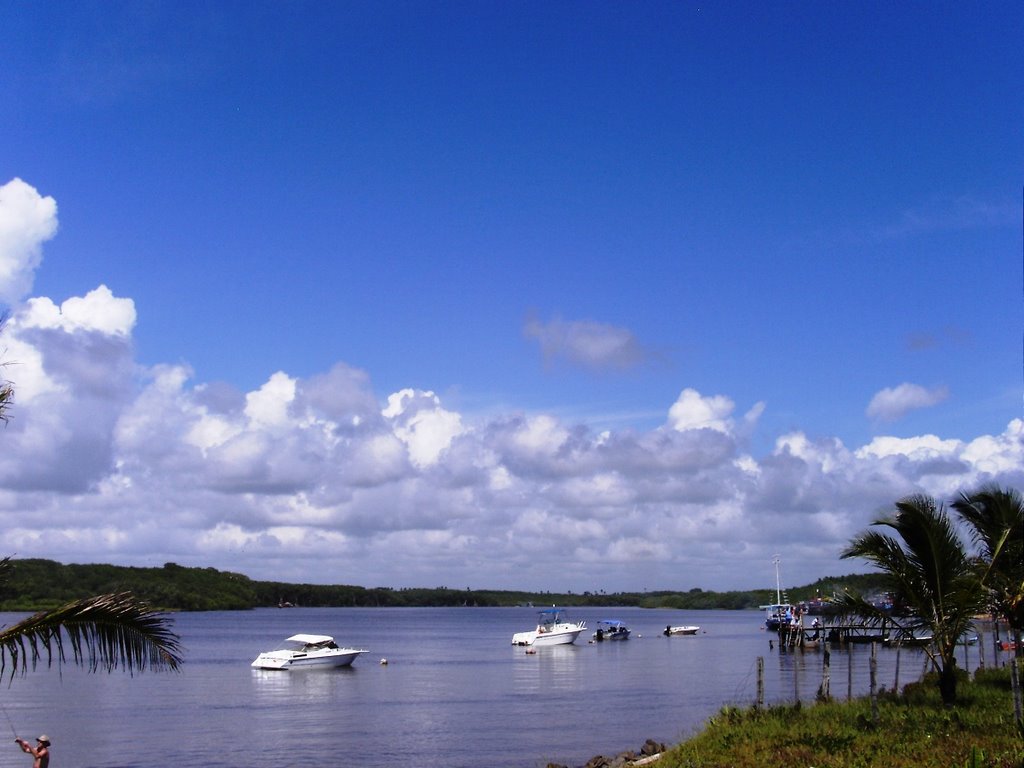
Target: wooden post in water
[(796, 679), (874, 687), (896, 680), (849, 671), (1015, 681), (824, 692), (760, 682), (995, 639)]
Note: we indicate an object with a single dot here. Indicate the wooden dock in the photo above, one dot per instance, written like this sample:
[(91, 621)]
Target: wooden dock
[(838, 633)]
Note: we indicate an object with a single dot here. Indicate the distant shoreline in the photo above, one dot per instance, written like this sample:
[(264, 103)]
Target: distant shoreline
[(39, 584)]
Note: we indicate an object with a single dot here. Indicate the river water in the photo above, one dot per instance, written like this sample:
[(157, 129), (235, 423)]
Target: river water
[(454, 691)]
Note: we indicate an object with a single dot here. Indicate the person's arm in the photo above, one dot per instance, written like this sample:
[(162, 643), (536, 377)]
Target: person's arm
[(26, 747)]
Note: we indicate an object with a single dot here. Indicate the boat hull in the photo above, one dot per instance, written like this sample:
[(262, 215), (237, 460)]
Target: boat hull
[(609, 630), (682, 630), (554, 628), (554, 637), (342, 657)]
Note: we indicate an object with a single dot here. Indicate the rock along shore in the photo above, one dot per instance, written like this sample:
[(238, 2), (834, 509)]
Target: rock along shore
[(649, 753)]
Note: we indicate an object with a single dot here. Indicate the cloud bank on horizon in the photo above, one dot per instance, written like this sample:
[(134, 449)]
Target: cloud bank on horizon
[(324, 478)]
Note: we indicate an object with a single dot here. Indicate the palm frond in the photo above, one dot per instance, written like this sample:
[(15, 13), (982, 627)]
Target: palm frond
[(6, 398), (6, 387), (105, 632), (849, 605), (995, 518)]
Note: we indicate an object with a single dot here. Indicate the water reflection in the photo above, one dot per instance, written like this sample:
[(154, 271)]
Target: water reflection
[(543, 670), (313, 683)]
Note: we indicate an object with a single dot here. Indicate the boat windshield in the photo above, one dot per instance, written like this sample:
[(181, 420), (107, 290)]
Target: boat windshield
[(551, 617), (300, 645)]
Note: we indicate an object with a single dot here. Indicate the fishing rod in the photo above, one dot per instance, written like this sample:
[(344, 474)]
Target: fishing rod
[(9, 721)]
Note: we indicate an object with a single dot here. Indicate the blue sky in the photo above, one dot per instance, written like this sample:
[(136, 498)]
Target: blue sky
[(552, 296)]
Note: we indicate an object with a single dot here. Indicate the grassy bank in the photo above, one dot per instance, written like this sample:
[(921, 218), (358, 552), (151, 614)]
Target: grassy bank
[(911, 730)]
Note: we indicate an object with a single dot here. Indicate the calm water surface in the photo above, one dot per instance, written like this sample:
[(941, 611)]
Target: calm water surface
[(455, 692)]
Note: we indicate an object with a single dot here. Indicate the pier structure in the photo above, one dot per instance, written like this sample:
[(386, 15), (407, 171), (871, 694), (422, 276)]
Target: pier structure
[(798, 634)]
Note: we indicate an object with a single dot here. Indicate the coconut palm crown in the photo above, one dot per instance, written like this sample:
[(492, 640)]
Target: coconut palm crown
[(995, 517)]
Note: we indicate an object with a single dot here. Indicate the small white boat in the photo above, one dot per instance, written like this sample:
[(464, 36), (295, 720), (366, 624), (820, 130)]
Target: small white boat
[(553, 628), (687, 630), (611, 629), (301, 651)]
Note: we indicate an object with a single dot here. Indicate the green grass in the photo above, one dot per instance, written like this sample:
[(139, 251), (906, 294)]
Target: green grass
[(913, 730)]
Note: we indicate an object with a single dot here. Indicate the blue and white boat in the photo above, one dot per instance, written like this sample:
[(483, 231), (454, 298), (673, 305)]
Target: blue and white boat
[(780, 616), (611, 629)]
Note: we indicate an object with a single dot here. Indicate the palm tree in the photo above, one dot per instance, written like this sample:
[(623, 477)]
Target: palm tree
[(106, 631), (996, 520), (929, 574)]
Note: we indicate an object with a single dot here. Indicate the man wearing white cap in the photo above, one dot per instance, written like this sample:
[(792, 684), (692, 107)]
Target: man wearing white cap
[(41, 751)]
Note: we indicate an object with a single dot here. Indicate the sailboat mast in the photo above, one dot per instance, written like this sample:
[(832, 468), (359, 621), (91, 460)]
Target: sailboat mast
[(778, 584)]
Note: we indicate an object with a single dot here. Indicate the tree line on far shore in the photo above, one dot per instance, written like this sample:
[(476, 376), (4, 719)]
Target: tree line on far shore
[(38, 584)]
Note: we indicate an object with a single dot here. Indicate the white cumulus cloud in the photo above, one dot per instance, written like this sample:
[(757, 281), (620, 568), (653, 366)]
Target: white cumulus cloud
[(27, 220), (894, 403), (422, 424), (323, 479), (99, 310), (691, 410)]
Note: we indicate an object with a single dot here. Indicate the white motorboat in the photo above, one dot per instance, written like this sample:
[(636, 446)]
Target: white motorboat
[(683, 630), (301, 651), (553, 628), (611, 629)]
